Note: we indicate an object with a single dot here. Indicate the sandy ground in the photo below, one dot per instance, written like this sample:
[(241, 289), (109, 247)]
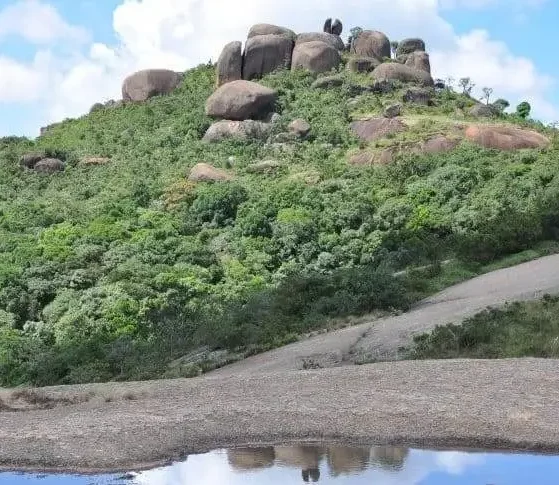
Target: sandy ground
[(508, 404)]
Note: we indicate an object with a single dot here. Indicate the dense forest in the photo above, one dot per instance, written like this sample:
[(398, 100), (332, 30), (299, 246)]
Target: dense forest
[(111, 270)]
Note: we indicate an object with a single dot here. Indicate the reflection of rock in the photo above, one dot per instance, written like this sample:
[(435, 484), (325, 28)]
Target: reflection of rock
[(304, 457), (389, 457), (243, 459), (346, 460)]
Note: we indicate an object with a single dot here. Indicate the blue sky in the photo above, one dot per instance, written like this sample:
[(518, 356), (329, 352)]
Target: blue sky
[(58, 57)]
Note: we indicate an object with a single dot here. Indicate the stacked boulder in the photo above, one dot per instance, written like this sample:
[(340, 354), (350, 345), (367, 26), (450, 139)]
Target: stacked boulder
[(145, 84), (41, 164)]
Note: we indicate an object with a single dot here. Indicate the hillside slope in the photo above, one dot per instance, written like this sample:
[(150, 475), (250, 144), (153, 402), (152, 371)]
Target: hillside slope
[(114, 267)]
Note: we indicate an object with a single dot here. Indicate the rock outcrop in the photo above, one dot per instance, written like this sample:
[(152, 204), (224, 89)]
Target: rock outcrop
[(505, 137), (238, 130), (143, 85), (240, 100), (335, 27), (400, 72), (48, 166), (330, 39), (315, 56), (265, 54), (483, 111), (420, 61), (371, 43), (423, 96), (407, 46), (376, 128), (438, 144), (269, 29), (203, 172), (230, 63)]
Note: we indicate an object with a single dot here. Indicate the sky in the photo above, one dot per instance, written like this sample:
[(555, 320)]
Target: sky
[(59, 57)]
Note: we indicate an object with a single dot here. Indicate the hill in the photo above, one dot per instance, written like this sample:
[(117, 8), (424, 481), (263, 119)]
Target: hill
[(120, 263)]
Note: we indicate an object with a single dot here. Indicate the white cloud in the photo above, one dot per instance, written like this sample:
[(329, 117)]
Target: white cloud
[(179, 34), (38, 23)]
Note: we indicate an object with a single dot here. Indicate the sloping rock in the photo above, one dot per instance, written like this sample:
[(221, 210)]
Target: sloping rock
[(400, 72), (240, 100), (265, 54), (330, 39), (438, 144), (327, 82), (143, 85), (300, 128), (362, 64), (29, 160), (95, 161), (204, 172), (266, 166), (48, 166), (407, 46), (239, 130), (316, 57), (371, 43), (269, 29), (420, 61), (504, 137), (483, 111), (230, 63), (376, 128), (366, 157), (418, 96)]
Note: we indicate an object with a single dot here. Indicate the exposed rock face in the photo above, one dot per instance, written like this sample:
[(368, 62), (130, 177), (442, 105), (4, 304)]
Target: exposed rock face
[(230, 63), (376, 128), (399, 72), (29, 160), (327, 82), (364, 158), (438, 144), (315, 56), (407, 46), (203, 172), (420, 61), (371, 43), (269, 29), (239, 130), (505, 137), (362, 64), (240, 100), (265, 54), (337, 27), (483, 111), (329, 39), (48, 166), (327, 26), (143, 85), (300, 128), (95, 161), (418, 96), (393, 111)]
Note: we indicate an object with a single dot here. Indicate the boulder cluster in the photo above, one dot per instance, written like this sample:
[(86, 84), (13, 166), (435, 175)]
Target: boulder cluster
[(41, 163)]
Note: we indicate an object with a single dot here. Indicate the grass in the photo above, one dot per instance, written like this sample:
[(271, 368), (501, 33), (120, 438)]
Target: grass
[(521, 329)]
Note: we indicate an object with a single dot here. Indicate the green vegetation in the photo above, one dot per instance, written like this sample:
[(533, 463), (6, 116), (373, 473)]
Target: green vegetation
[(519, 330), (112, 271)]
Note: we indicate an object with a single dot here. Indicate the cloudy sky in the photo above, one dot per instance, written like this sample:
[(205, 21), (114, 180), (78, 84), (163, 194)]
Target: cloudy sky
[(58, 57)]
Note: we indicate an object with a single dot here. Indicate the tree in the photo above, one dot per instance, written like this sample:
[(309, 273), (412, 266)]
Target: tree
[(467, 85), (487, 92), (353, 34), (394, 47), (523, 109), (501, 105)]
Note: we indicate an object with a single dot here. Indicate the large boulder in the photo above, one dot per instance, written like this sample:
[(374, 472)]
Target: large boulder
[(230, 63), (237, 130), (299, 128), (265, 54), (420, 61), (505, 137), (362, 64), (48, 166), (371, 43), (407, 46), (143, 85), (422, 96), (392, 71), (480, 110), (376, 128), (438, 144), (203, 172), (240, 100), (316, 57), (269, 29), (29, 160), (330, 39)]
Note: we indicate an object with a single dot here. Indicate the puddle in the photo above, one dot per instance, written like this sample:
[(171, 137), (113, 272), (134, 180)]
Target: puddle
[(328, 465)]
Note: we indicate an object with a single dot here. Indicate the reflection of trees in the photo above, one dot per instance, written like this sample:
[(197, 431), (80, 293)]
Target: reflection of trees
[(389, 457), (346, 460), (244, 459), (307, 458)]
